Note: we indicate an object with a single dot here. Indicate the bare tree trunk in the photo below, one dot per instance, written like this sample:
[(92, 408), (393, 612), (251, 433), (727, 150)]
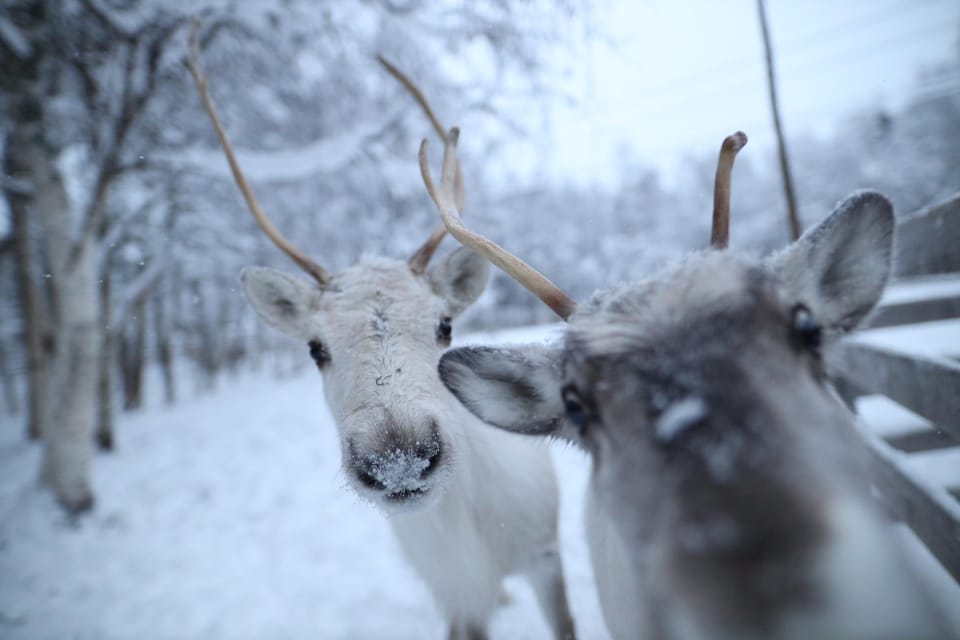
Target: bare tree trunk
[(132, 348), (232, 344), (29, 292), (8, 378), (260, 345), (11, 398), (69, 431), (66, 465), (164, 349), (66, 424), (207, 338), (793, 217), (105, 419)]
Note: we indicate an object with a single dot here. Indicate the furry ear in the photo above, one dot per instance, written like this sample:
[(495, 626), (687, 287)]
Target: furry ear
[(459, 278), (284, 301), (515, 388), (840, 267)]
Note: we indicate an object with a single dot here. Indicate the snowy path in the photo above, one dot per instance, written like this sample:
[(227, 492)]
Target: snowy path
[(226, 517)]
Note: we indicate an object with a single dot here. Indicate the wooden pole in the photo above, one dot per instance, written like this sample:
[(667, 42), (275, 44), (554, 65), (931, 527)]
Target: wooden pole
[(792, 216)]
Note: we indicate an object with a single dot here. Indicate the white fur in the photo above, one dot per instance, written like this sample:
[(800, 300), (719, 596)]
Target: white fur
[(491, 507), (872, 595), (617, 586), (680, 416)]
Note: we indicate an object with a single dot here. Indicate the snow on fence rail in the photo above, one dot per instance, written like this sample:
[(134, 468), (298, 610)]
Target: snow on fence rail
[(927, 241), (919, 300), (911, 355)]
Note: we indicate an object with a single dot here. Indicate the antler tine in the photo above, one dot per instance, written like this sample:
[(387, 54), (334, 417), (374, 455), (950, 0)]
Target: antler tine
[(720, 234), (193, 63), (533, 280), (421, 257)]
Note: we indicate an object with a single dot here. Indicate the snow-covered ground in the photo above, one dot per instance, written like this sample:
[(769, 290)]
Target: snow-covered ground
[(227, 517)]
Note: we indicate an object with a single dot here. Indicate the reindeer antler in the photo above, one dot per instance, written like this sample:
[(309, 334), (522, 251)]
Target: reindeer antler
[(720, 234), (533, 280), (421, 257), (193, 63)]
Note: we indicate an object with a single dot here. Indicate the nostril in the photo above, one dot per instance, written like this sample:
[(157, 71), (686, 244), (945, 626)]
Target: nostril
[(433, 462), (368, 480)]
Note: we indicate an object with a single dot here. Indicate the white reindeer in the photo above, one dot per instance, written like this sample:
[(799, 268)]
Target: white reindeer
[(728, 497), (469, 505)]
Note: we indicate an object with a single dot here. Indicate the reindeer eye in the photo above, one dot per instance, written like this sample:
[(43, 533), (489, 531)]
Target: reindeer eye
[(319, 353), (573, 407), (806, 327), (444, 330)]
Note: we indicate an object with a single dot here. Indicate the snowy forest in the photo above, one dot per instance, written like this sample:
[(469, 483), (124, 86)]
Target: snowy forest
[(122, 233)]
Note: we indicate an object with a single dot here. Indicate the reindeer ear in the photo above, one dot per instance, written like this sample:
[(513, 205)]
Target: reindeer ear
[(459, 278), (516, 389), (839, 268), (284, 301)]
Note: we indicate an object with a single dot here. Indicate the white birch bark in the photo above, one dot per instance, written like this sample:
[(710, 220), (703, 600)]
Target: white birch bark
[(71, 412)]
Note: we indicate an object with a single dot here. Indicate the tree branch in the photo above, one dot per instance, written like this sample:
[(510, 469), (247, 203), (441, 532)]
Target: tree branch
[(149, 42), (15, 186), (136, 291), (103, 16), (16, 42)]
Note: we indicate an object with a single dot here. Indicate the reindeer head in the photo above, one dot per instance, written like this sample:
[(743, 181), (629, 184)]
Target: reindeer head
[(375, 331), (721, 456)]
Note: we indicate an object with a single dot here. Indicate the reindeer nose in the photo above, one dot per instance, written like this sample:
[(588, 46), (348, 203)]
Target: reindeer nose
[(400, 466), (433, 461)]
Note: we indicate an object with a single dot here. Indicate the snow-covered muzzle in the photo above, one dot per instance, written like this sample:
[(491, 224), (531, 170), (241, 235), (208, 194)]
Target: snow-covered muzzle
[(394, 464)]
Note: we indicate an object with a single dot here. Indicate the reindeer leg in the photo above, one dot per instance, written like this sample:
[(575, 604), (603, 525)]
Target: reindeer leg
[(546, 577)]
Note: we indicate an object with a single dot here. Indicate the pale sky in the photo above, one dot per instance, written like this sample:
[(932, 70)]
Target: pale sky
[(679, 75)]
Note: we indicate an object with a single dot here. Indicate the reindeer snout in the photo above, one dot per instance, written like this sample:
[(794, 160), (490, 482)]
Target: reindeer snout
[(400, 464)]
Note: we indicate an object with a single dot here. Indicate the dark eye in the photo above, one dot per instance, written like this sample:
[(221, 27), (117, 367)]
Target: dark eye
[(319, 353), (805, 327), (573, 407), (445, 330)]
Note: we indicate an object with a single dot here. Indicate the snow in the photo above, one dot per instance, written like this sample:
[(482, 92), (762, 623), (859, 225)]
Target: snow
[(517, 335), (939, 338), (399, 470), (228, 516), (887, 418), (326, 155), (679, 417), (917, 289)]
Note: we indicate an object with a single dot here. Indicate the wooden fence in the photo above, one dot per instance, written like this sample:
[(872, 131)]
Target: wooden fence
[(910, 355)]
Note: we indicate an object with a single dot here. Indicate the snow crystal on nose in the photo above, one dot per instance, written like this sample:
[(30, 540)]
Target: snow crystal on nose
[(680, 416), (399, 470)]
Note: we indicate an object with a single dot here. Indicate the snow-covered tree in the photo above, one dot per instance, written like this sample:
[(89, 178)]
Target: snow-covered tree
[(119, 195)]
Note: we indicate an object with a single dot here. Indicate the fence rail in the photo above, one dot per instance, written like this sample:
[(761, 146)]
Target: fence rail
[(910, 353)]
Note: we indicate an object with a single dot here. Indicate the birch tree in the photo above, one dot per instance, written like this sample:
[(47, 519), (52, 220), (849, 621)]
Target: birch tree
[(77, 83)]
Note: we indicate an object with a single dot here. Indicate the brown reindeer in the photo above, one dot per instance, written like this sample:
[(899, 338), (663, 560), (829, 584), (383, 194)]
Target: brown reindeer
[(728, 497)]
